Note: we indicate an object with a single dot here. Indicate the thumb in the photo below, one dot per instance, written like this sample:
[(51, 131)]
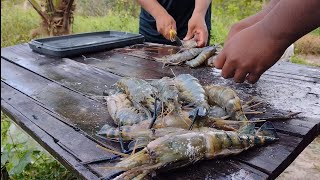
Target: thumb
[(221, 59)]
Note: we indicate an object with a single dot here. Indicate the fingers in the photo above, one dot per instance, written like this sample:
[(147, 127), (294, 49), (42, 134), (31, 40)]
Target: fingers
[(164, 26), (228, 70), (201, 41), (231, 70), (166, 32), (240, 76), (221, 59), (253, 78)]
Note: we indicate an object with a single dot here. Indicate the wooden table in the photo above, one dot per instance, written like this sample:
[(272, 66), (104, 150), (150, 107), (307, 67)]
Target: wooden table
[(57, 101)]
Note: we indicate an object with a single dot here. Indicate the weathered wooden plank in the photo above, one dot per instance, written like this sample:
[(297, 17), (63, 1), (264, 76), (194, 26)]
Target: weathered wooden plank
[(73, 75), (296, 69), (274, 158), (105, 60), (46, 141), (86, 114), (70, 139)]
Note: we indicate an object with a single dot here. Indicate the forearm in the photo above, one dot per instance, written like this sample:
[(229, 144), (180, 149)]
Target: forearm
[(201, 7), (152, 7), (260, 15), (291, 19)]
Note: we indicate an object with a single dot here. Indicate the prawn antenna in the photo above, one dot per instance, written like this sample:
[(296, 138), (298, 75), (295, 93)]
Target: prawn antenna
[(173, 72)]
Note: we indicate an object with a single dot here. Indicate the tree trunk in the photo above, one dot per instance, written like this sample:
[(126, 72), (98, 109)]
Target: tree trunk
[(57, 17)]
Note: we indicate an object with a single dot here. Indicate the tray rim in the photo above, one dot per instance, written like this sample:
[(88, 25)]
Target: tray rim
[(38, 44)]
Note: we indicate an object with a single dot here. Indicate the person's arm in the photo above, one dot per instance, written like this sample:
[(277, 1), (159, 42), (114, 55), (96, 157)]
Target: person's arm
[(197, 27), (255, 49), (164, 21), (251, 20), (291, 19)]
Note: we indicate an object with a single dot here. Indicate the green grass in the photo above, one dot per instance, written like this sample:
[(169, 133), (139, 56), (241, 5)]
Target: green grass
[(16, 24), (24, 158), (298, 60), (316, 31), (117, 22)]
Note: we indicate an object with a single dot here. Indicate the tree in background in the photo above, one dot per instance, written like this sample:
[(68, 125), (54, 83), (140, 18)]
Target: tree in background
[(57, 17)]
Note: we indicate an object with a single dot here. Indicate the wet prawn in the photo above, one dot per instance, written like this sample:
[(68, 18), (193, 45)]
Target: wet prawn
[(227, 99), (139, 91), (181, 149), (202, 57), (122, 111), (181, 57), (192, 92), (189, 43)]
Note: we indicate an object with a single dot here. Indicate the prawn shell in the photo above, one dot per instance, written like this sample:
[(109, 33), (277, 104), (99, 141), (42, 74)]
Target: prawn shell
[(122, 111), (226, 98), (202, 57), (179, 58), (189, 43), (192, 92), (139, 91), (211, 60)]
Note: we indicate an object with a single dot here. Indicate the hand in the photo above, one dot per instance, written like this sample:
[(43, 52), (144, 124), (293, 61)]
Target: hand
[(237, 27), (197, 29), (248, 54), (165, 23)]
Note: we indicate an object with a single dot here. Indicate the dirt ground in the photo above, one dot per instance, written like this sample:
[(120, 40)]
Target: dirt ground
[(312, 59), (306, 165)]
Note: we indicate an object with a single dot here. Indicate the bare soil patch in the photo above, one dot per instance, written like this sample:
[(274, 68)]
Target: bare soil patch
[(306, 165)]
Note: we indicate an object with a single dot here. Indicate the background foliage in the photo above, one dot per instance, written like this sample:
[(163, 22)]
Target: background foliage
[(23, 158)]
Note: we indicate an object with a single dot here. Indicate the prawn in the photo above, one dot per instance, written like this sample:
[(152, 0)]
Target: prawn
[(189, 43), (122, 111), (202, 57), (139, 91), (226, 98), (176, 59), (191, 91), (187, 147), (167, 93)]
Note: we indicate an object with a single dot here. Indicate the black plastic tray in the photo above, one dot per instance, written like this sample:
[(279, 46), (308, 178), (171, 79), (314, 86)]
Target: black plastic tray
[(77, 44)]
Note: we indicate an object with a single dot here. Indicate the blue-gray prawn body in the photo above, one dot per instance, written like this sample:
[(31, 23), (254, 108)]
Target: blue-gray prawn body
[(202, 57), (139, 91), (167, 93), (122, 110), (179, 58), (191, 91), (187, 147), (226, 98)]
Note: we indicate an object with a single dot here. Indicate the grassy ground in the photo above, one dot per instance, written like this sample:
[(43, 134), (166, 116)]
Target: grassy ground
[(23, 158), (30, 161)]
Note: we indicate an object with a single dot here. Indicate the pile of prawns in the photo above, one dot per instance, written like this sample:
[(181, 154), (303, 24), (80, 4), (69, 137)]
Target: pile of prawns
[(174, 122)]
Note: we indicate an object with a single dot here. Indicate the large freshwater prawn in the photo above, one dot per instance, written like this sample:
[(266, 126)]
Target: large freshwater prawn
[(179, 149)]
